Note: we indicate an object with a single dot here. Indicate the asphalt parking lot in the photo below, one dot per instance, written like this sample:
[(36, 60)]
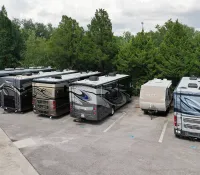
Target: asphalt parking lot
[(125, 144)]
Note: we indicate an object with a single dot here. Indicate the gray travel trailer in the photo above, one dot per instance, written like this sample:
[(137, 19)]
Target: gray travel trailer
[(17, 90), (98, 97), (187, 107), (51, 94), (156, 95)]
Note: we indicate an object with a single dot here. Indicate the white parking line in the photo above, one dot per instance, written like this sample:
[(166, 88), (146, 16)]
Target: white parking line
[(24, 143), (114, 123), (163, 131)]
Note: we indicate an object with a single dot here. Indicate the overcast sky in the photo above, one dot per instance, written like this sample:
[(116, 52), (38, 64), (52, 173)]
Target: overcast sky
[(126, 15)]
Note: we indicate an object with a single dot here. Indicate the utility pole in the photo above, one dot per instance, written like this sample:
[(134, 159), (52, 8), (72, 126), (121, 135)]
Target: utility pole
[(142, 26)]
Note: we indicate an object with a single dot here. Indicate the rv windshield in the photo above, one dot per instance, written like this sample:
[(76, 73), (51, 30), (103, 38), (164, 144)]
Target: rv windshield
[(187, 104)]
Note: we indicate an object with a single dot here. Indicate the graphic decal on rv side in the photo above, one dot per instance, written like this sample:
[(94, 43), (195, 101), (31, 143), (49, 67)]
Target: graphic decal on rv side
[(41, 91), (6, 88), (104, 101), (187, 105), (119, 101), (83, 96)]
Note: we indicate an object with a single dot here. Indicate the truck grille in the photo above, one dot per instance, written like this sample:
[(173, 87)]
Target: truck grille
[(192, 134), (192, 126), (190, 120)]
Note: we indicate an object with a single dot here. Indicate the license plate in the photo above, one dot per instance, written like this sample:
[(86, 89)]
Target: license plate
[(83, 115)]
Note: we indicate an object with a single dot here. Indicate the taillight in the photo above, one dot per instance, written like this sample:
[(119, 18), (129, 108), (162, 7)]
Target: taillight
[(70, 107), (95, 110), (175, 120), (33, 101), (54, 104)]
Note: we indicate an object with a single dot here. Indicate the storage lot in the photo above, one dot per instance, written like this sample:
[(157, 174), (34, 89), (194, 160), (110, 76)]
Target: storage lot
[(125, 144)]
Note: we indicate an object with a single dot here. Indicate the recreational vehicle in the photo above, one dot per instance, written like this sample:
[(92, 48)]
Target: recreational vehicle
[(20, 71), (98, 97), (51, 94), (156, 95), (187, 108), (17, 90)]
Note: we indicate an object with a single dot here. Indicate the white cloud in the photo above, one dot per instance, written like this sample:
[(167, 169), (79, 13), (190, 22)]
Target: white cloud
[(125, 14)]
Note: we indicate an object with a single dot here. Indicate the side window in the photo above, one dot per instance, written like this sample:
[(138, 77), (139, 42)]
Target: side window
[(125, 85), (171, 92), (167, 94), (111, 91)]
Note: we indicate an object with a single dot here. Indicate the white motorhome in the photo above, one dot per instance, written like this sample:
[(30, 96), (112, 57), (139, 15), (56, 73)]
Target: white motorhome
[(156, 95), (98, 97), (187, 108)]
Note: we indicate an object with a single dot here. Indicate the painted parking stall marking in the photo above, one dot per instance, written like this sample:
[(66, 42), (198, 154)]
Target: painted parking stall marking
[(163, 131), (24, 143), (107, 129)]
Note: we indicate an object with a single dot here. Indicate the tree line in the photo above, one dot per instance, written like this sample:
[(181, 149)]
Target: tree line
[(171, 50)]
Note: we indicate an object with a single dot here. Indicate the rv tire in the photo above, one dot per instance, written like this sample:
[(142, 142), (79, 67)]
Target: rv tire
[(145, 111), (177, 136), (78, 120)]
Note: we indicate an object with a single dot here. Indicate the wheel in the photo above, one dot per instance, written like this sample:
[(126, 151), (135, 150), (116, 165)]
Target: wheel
[(78, 120), (145, 111), (112, 111), (51, 117), (177, 136)]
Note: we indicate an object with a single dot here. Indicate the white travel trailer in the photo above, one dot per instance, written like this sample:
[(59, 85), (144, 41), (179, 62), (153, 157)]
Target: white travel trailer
[(98, 97), (187, 108), (156, 95)]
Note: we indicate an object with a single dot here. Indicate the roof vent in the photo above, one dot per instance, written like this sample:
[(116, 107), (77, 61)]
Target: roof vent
[(27, 74), (32, 68), (58, 77), (192, 85), (193, 78), (19, 68), (93, 78), (8, 69), (113, 74), (40, 67), (157, 80)]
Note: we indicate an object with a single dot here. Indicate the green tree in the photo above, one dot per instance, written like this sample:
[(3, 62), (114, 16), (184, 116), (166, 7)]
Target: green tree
[(65, 41), (177, 51), (100, 32), (89, 55), (137, 58), (37, 51), (10, 41)]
